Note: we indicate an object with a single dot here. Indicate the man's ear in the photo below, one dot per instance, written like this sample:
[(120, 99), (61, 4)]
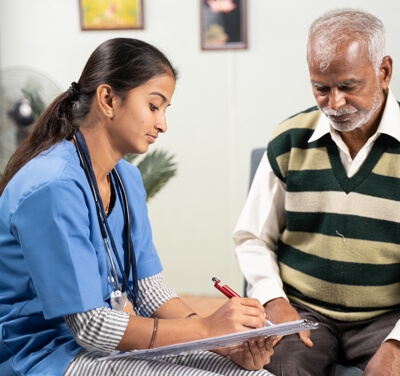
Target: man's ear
[(385, 71), (105, 96)]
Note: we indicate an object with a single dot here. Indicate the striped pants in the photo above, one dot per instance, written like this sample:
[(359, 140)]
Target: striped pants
[(201, 363)]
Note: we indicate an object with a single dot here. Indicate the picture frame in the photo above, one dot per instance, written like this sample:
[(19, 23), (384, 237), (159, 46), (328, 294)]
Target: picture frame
[(111, 14), (223, 24)]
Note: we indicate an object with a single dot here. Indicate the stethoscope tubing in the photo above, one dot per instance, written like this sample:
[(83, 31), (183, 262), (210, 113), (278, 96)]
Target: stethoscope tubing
[(104, 228)]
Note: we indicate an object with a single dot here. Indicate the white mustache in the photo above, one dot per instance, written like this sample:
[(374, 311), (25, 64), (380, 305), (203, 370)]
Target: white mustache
[(340, 112)]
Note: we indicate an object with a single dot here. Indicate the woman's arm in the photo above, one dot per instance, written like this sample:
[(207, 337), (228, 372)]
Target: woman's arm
[(159, 301), (237, 314), (105, 329), (153, 294), (174, 309), (99, 329)]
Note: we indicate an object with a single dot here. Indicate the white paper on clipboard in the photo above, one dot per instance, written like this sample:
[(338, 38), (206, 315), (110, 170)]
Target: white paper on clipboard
[(220, 341)]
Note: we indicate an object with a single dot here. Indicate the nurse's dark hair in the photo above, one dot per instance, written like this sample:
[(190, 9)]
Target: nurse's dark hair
[(122, 63)]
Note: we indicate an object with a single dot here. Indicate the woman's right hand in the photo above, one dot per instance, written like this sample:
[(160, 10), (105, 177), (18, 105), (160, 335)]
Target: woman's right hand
[(236, 315)]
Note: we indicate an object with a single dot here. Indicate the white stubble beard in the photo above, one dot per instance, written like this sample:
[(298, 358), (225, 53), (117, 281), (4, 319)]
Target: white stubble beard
[(364, 114)]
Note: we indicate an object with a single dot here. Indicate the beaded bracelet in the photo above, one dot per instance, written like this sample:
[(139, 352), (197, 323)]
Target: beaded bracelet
[(192, 314), (153, 337)]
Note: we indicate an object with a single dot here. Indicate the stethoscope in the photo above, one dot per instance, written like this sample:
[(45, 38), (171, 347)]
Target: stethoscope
[(119, 294)]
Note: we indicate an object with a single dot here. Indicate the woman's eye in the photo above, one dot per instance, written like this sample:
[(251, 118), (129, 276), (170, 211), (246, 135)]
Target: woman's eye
[(153, 108)]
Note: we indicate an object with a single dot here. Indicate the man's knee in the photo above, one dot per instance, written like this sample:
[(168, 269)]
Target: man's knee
[(292, 357)]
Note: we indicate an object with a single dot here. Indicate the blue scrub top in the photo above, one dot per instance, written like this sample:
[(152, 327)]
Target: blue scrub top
[(53, 258)]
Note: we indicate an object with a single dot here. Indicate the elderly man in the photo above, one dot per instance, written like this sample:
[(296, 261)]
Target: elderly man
[(319, 236)]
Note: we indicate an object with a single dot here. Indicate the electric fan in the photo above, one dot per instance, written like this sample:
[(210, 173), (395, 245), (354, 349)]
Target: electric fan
[(24, 94)]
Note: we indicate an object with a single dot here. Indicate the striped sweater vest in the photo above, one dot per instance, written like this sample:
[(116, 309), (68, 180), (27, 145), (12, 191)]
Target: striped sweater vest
[(340, 251)]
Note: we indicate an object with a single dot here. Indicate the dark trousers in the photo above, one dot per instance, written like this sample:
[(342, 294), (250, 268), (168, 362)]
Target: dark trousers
[(348, 343)]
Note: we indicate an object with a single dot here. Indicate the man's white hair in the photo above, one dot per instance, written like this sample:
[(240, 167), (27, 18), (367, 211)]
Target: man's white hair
[(338, 27)]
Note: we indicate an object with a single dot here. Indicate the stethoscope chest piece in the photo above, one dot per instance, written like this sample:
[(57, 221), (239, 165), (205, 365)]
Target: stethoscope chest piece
[(118, 300)]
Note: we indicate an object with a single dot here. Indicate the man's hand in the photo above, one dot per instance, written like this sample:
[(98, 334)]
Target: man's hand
[(386, 361), (278, 311)]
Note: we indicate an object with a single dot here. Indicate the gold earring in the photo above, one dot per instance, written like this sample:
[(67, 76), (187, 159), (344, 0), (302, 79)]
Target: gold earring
[(108, 112)]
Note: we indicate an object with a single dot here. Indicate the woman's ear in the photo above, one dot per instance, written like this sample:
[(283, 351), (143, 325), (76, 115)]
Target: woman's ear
[(105, 99)]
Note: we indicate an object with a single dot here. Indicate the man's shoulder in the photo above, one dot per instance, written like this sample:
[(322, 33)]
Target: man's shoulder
[(306, 120)]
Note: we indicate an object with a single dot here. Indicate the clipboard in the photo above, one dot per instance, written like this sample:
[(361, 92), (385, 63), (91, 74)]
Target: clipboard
[(226, 340)]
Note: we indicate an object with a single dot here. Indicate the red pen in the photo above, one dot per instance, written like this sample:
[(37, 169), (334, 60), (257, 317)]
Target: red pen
[(228, 292)]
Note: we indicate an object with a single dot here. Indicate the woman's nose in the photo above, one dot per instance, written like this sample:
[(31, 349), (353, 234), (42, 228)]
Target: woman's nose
[(162, 124)]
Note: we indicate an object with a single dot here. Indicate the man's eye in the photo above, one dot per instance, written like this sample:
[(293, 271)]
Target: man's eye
[(321, 89), (347, 88), (153, 108)]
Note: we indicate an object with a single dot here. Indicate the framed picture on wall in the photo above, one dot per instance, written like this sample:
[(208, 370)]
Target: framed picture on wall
[(223, 24), (111, 14)]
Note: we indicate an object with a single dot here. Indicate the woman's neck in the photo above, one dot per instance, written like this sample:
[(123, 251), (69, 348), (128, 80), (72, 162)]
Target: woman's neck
[(103, 159), (102, 156)]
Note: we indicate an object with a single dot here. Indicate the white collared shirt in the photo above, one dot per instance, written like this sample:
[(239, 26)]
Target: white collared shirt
[(263, 216), (390, 117)]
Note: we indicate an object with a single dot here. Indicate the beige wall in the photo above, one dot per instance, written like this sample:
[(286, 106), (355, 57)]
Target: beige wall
[(226, 103)]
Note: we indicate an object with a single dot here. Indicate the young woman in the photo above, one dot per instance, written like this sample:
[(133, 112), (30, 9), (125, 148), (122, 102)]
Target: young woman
[(80, 274)]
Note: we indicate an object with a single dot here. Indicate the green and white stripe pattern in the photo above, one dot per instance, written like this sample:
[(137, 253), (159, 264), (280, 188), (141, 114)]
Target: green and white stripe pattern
[(340, 251)]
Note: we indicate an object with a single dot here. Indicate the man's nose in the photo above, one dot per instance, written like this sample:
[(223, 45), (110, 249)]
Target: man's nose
[(336, 99)]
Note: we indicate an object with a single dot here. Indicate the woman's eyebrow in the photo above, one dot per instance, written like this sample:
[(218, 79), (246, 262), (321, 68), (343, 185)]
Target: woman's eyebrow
[(160, 95)]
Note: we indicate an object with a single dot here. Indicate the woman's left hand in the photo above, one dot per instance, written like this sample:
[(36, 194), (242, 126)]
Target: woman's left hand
[(253, 354)]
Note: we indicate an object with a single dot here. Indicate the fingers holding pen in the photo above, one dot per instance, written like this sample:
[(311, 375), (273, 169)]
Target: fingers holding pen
[(249, 312), (237, 314)]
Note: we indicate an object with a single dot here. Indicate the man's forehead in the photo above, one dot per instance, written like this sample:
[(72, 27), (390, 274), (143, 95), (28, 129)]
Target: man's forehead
[(339, 56)]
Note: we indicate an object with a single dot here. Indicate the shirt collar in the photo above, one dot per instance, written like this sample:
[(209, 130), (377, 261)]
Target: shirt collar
[(390, 121)]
